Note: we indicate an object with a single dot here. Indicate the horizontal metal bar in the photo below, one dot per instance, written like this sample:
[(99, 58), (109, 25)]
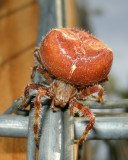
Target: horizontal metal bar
[(104, 128), (13, 126), (123, 103), (91, 104), (15, 105)]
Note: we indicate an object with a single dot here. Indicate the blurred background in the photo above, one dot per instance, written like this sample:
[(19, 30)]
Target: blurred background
[(107, 20)]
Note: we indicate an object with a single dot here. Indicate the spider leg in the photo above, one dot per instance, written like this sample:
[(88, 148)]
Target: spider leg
[(43, 72), (53, 108), (38, 57), (41, 93), (87, 112), (90, 90), (41, 69), (30, 86), (71, 109)]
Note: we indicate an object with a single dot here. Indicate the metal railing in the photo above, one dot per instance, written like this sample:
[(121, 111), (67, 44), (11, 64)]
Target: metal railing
[(59, 129)]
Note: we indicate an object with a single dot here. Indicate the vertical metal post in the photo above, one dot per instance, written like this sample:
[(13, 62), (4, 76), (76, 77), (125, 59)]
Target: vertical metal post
[(51, 142), (57, 134), (68, 136), (31, 147)]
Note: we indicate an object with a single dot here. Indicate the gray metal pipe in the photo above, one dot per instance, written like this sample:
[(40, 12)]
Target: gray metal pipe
[(122, 103), (68, 136), (107, 127), (52, 144), (31, 147), (13, 126), (51, 140), (14, 107)]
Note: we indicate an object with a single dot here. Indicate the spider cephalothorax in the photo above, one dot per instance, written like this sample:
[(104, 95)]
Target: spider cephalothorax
[(74, 63)]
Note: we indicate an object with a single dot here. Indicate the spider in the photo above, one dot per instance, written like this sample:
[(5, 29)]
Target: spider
[(74, 63)]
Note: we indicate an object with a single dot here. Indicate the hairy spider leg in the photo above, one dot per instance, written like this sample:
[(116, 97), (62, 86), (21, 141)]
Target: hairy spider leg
[(30, 86), (41, 93), (38, 57), (71, 109), (86, 112), (90, 90), (41, 69)]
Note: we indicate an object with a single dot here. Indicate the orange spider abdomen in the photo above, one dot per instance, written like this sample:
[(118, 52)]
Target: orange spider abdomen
[(76, 56)]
